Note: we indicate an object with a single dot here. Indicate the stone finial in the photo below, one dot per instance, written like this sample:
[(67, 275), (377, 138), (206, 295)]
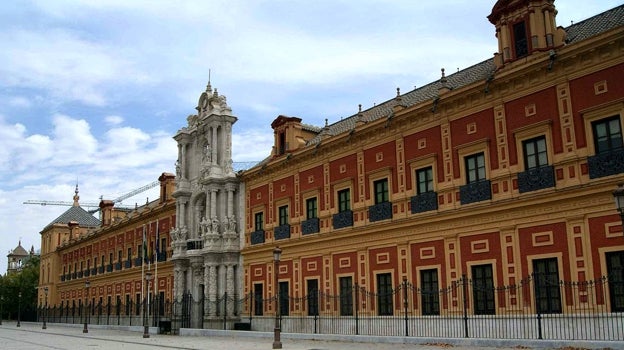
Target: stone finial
[(76, 197)]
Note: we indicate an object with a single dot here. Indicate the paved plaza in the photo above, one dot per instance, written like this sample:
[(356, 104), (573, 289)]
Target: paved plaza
[(30, 336)]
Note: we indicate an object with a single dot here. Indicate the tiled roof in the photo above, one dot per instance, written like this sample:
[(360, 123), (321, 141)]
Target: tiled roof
[(77, 214), (19, 251), (479, 72)]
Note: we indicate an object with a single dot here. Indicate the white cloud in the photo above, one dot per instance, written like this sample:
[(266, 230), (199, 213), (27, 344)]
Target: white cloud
[(113, 120), (19, 101)]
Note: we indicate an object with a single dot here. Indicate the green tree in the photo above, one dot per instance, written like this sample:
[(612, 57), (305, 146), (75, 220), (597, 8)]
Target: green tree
[(24, 282)]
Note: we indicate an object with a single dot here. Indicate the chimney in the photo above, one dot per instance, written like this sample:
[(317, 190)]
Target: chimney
[(106, 208)]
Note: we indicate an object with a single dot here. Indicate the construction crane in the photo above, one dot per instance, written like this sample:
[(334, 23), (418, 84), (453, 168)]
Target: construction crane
[(97, 205)]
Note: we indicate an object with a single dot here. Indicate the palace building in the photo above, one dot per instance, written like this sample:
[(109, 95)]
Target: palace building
[(103, 263), (494, 174)]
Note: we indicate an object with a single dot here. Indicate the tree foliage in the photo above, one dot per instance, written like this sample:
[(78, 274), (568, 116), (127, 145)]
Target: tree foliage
[(24, 282)]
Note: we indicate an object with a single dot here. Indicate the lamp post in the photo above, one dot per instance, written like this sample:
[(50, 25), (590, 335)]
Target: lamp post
[(85, 329), (618, 194), (45, 308), (148, 278), (277, 342), (19, 308)]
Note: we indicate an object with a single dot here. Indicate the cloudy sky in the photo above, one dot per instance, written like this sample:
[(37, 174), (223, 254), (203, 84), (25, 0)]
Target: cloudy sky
[(91, 92)]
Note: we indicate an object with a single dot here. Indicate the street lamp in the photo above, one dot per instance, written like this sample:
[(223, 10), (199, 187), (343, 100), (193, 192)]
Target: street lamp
[(618, 194), (85, 329), (45, 308), (148, 278), (277, 342), (19, 308)]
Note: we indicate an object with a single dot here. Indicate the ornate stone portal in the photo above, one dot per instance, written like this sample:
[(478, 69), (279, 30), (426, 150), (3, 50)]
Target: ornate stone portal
[(206, 241)]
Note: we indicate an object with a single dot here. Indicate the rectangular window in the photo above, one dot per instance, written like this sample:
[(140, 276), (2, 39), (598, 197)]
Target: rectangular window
[(483, 290), (127, 304), (430, 293), (129, 253), (475, 168), (258, 299), (535, 155), (259, 221), (119, 256), (312, 297), (137, 304), (607, 135), (381, 191), (311, 206), (344, 200), (615, 276), (283, 298), (88, 264), (384, 294), (424, 180), (110, 258), (547, 293), (521, 44), (283, 215), (346, 296), (139, 251)]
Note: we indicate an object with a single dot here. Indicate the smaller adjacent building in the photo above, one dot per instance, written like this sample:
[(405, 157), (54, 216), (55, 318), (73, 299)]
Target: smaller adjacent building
[(17, 258)]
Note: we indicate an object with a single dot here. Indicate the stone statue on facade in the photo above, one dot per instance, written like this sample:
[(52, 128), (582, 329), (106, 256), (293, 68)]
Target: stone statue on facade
[(204, 226), (215, 225)]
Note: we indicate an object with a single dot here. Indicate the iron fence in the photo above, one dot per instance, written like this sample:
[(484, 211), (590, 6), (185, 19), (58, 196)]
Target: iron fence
[(534, 308)]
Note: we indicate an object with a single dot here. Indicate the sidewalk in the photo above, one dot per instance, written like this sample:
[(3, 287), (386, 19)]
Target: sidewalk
[(30, 336)]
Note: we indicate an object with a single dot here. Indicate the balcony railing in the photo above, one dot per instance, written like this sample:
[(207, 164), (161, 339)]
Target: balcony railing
[(282, 232), (424, 202), (109, 268), (117, 266), (62, 278), (381, 211), (79, 274), (310, 226), (606, 164), (162, 256), (74, 275), (94, 271), (536, 179), (194, 244), (475, 192), (138, 261), (257, 237), (87, 273), (342, 219), (101, 269), (127, 264)]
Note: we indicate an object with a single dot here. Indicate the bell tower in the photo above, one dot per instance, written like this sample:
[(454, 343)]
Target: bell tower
[(525, 27)]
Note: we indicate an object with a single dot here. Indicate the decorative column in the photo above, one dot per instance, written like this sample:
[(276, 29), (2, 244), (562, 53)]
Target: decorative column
[(213, 202), (215, 145), (212, 288), (183, 162), (229, 287)]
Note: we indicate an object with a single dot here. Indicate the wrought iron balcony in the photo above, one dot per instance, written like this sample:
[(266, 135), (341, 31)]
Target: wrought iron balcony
[(109, 268), (536, 179), (162, 256), (79, 274), (342, 219), (117, 266), (62, 278), (101, 269), (310, 226), (606, 164), (94, 271), (87, 273), (381, 211), (282, 232), (127, 264), (138, 261), (257, 237), (74, 275), (475, 192), (424, 202)]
